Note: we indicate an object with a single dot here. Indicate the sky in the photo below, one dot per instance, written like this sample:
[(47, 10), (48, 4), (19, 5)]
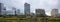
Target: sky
[(48, 5)]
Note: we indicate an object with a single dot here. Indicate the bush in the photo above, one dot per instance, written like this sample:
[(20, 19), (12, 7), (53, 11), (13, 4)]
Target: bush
[(54, 19)]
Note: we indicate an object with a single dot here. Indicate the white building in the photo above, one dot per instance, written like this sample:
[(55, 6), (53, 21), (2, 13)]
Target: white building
[(54, 12), (58, 15)]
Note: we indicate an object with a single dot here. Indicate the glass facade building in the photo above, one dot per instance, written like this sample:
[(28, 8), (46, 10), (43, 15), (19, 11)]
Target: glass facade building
[(2, 9), (27, 8)]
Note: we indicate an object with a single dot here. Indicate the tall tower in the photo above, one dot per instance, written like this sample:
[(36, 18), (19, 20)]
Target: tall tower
[(54, 12), (27, 8), (0, 8)]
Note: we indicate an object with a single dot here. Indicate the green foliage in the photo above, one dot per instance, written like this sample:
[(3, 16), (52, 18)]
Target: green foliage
[(21, 16), (54, 19), (41, 15), (25, 20), (8, 16)]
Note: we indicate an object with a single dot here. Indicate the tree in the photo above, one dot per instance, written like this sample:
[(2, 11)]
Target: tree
[(41, 15)]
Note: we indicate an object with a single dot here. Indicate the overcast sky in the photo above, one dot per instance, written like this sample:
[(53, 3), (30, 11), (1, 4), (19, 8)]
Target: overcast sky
[(35, 4)]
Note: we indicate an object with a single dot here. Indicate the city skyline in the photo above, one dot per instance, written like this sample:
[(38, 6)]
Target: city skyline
[(44, 4)]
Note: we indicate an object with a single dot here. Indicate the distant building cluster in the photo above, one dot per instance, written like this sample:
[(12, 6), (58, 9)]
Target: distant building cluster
[(54, 12), (3, 10)]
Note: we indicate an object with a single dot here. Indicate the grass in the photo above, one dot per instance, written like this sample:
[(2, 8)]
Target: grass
[(54, 19), (12, 20), (26, 20)]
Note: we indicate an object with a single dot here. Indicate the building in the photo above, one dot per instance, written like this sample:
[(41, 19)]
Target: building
[(54, 12), (2, 9), (14, 9), (17, 11), (58, 4), (11, 12), (40, 11), (27, 8), (58, 15)]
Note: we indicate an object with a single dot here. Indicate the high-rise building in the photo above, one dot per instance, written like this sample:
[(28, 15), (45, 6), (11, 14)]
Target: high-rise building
[(58, 4), (2, 9), (58, 15), (54, 12), (14, 9), (40, 11), (27, 8)]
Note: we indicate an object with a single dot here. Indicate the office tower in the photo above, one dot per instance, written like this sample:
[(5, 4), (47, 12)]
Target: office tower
[(58, 4), (54, 12), (27, 8), (2, 9), (40, 11), (14, 9)]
